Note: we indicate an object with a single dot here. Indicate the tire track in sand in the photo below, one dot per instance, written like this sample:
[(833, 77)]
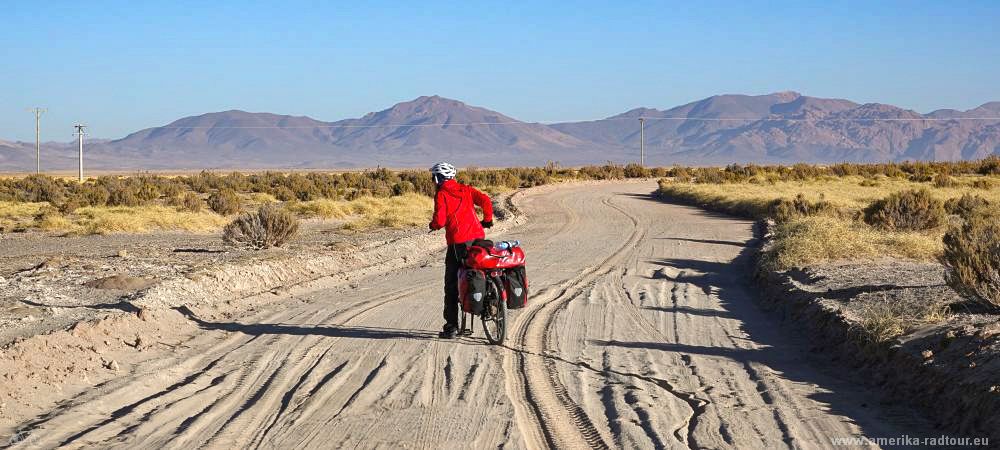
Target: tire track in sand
[(552, 418)]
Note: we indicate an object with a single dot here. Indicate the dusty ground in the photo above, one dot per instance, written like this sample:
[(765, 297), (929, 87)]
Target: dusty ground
[(642, 332), (48, 282), (949, 366)]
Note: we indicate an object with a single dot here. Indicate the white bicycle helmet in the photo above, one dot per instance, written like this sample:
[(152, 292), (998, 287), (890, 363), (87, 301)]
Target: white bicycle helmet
[(443, 171)]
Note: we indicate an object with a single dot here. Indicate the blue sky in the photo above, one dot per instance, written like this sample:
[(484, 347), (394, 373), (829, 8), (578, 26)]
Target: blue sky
[(123, 66)]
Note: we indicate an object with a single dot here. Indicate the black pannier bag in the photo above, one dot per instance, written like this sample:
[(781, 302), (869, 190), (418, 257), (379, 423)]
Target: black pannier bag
[(515, 282), (472, 290)]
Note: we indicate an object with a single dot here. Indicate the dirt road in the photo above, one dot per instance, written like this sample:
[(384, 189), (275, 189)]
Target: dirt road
[(641, 333)]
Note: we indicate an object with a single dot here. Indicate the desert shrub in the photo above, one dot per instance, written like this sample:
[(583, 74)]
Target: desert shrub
[(911, 210), (942, 180), (972, 255), (283, 193), (606, 172), (171, 189), (122, 195), (783, 210), (189, 201), (93, 195), (990, 166), (147, 191), (965, 204), (224, 201), (633, 170), (40, 188), (304, 188), (72, 203), (402, 188), (922, 174), (270, 226), (983, 183)]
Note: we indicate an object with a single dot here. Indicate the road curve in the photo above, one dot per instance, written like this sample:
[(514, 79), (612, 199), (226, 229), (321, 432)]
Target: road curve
[(641, 333)]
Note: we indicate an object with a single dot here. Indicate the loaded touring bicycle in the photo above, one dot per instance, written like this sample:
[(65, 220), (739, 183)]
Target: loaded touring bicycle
[(492, 281)]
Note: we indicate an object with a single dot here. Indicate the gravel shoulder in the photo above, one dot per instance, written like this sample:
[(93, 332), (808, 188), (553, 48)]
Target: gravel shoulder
[(948, 368), (49, 282)]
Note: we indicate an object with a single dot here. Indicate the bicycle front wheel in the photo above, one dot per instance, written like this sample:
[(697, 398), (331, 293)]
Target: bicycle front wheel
[(495, 315)]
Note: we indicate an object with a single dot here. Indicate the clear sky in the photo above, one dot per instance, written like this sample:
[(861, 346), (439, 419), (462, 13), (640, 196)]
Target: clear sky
[(123, 66)]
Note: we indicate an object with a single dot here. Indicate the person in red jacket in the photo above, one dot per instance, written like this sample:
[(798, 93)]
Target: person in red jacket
[(455, 211)]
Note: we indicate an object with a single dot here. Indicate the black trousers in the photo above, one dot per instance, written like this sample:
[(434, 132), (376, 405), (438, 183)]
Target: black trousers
[(453, 261)]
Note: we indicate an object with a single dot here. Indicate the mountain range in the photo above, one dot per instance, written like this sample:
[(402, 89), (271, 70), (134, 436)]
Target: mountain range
[(782, 127)]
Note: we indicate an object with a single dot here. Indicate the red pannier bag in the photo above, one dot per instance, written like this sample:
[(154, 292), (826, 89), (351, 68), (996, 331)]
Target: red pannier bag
[(510, 263)]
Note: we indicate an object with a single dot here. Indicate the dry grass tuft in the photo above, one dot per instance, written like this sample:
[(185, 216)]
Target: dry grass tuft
[(882, 321), (394, 212), (322, 208), (369, 212), (819, 215), (809, 240), (972, 255), (142, 219), (15, 216), (270, 226)]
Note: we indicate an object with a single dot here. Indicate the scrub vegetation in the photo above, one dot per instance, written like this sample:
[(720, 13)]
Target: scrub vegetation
[(206, 201), (943, 211)]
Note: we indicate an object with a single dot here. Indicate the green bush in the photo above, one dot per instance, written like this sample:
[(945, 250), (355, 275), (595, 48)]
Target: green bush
[(911, 210), (224, 201), (270, 226), (972, 256)]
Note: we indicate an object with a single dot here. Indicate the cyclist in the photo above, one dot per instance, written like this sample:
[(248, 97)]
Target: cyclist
[(454, 210)]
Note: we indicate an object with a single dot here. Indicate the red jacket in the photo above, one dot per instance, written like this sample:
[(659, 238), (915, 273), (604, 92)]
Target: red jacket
[(454, 210)]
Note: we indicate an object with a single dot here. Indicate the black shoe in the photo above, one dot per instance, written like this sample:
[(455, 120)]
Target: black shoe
[(465, 332), (449, 333)]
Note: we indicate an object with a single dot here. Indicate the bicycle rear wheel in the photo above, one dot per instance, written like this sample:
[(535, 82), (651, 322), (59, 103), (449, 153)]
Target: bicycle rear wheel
[(495, 315)]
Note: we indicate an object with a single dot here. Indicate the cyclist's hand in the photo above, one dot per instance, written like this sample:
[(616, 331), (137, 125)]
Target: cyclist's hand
[(487, 223)]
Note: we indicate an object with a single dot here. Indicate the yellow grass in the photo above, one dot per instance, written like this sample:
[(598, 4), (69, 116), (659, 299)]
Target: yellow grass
[(323, 208), (846, 192), (122, 219), (394, 212), (809, 240), (17, 216), (368, 212)]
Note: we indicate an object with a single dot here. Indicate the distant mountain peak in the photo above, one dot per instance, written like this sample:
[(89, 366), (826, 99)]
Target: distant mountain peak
[(410, 133)]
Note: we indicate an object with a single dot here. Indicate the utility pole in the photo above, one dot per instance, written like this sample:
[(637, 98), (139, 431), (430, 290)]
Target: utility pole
[(38, 153), (79, 134), (642, 142)]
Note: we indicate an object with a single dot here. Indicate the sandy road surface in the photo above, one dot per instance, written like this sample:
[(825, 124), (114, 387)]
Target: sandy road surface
[(641, 334)]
